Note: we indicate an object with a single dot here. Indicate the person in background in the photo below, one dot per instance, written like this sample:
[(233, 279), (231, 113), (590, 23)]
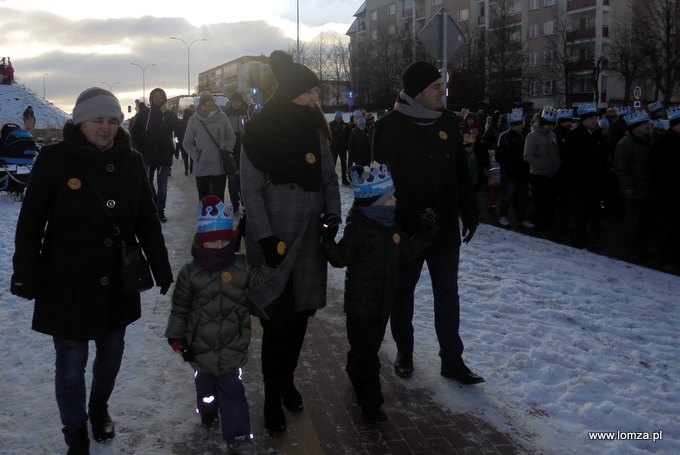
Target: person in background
[(288, 183), (62, 222), (238, 115), (188, 160), (29, 119), (209, 322), (207, 132), (421, 144), (359, 146), (152, 133), (339, 142)]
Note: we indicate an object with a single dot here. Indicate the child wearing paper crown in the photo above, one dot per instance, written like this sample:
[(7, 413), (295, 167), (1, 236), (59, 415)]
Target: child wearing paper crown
[(209, 323), (370, 249)]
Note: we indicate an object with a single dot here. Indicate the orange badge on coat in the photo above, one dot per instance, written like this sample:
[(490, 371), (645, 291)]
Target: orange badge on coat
[(74, 183), (396, 238), (226, 277), (310, 158), (443, 135)]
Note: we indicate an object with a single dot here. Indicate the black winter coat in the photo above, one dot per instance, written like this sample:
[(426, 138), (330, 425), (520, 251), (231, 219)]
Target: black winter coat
[(429, 170), (584, 163), (152, 132), (65, 248), (510, 155), (359, 147)]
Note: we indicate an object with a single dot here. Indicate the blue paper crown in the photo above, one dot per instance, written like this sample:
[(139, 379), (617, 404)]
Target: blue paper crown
[(587, 108), (549, 113), (214, 218), (516, 115), (658, 123), (673, 112), (603, 122), (376, 183), (636, 117), (655, 106), (623, 110), (565, 113)]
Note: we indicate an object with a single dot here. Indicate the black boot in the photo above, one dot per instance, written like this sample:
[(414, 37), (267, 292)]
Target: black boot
[(78, 441), (403, 365), (274, 419), (102, 425), (292, 399), (210, 419)]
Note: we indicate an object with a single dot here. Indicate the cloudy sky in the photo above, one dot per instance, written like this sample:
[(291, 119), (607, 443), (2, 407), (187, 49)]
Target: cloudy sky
[(80, 44)]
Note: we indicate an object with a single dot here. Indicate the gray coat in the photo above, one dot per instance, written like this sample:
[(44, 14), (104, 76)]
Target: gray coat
[(205, 153), (542, 152), (293, 215)]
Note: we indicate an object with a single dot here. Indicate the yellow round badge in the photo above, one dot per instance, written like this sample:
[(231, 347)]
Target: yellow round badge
[(226, 277), (74, 183), (310, 158), (396, 238), (443, 135)]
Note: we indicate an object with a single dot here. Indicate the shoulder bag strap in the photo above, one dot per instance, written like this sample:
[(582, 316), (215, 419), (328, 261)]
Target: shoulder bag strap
[(217, 144)]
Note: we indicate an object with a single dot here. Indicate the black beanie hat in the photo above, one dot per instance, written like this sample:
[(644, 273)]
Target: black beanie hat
[(418, 76), (236, 97), (292, 79)]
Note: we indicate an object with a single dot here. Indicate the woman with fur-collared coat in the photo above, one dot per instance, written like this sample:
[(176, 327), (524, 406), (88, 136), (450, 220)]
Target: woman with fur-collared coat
[(288, 182), (67, 255)]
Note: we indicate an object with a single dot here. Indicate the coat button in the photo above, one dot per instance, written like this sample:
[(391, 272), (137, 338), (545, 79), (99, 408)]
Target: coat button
[(108, 242), (292, 187), (110, 167), (104, 281), (110, 203)]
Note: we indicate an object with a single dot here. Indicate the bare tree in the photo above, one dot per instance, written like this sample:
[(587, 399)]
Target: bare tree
[(338, 69), (468, 78), (624, 55), (559, 59)]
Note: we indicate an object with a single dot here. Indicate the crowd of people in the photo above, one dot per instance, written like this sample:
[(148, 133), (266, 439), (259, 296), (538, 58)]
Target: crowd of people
[(6, 71), (414, 171)]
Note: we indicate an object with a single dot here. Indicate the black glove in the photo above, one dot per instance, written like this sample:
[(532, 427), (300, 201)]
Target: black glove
[(273, 250), (427, 229), (468, 232), (179, 345), (23, 289), (165, 287), (330, 224)]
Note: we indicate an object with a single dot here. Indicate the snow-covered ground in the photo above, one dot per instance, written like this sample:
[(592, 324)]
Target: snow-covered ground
[(569, 343), (15, 98)]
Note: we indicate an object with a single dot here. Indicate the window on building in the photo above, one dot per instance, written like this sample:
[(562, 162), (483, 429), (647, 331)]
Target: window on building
[(436, 2), (374, 34), (533, 31), (533, 59), (408, 5), (549, 2), (374, 15), (533, 88), (392, 9), (392, 29), (549, 28), (548, 57), (515, 36), (533, 4), (464, 15), (548, 87)]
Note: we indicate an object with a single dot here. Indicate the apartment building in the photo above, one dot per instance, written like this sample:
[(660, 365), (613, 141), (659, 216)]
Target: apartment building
[(561, 44), (239, 75)]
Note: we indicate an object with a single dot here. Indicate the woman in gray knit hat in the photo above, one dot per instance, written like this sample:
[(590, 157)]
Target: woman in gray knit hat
[(67, 252)]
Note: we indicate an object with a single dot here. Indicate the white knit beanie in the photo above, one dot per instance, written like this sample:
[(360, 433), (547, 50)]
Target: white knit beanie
[(96, 102)]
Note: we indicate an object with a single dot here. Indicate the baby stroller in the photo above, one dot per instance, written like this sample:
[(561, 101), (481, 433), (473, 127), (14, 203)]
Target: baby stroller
[(17, 152)]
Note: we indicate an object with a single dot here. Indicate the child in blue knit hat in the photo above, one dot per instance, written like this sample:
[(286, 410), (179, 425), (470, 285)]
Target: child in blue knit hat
[(209, 323), (370, 249)]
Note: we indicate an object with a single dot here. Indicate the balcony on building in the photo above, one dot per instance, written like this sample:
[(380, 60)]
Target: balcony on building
[(509, 20), (407, 13), (586, 33), (586, 64), (587, 97), (578, 4), (421, 14)]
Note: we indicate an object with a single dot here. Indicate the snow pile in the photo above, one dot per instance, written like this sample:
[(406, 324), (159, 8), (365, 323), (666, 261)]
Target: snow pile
[(15, 98)]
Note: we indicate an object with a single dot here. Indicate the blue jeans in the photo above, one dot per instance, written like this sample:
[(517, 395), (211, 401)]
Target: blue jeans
[(160, 195), (70, 374), (515, 193), (226, 393), (442, 263)]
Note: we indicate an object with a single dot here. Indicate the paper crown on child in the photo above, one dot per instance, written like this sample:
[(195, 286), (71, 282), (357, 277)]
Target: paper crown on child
[(623, 110), (515, 116), (371, 186), (361, 121), (549, 114), (469, 139), (636, 117), (566, 113), (603, 122), (214, 221), (338, 113), (612, 112), (655, 106), (674, 113), (658, 123), (356, 114), (587, 110)]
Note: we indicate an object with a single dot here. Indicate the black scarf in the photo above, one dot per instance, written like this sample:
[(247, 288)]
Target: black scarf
[(282, 140)]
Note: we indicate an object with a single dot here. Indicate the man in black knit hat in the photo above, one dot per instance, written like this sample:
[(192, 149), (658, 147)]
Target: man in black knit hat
[(420, 142)]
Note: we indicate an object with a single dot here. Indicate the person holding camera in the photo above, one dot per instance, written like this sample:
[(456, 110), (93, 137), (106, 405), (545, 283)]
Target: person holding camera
[(207, 132)]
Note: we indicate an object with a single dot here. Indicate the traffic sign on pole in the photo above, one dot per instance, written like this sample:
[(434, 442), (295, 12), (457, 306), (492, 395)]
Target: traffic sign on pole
[(350, 102)]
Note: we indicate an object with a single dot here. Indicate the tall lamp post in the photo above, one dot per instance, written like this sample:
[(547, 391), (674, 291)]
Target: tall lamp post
[(111, 85), (143, 78), (188, 60), (44, 85)]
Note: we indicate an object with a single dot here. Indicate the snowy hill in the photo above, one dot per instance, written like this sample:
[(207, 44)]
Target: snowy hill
[(15, 98)]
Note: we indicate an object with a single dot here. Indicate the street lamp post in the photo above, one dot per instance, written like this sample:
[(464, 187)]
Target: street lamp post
[(44, 85), (143, 78), (188, 60), (111, 85)]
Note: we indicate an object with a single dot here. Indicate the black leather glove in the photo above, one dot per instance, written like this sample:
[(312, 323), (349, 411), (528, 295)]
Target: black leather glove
[(25, 290), (273, 250), (468, 232), (330, 224), (427, 229)]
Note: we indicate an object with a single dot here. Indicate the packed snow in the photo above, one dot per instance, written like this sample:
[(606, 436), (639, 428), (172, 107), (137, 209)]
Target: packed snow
[(15, 98)]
